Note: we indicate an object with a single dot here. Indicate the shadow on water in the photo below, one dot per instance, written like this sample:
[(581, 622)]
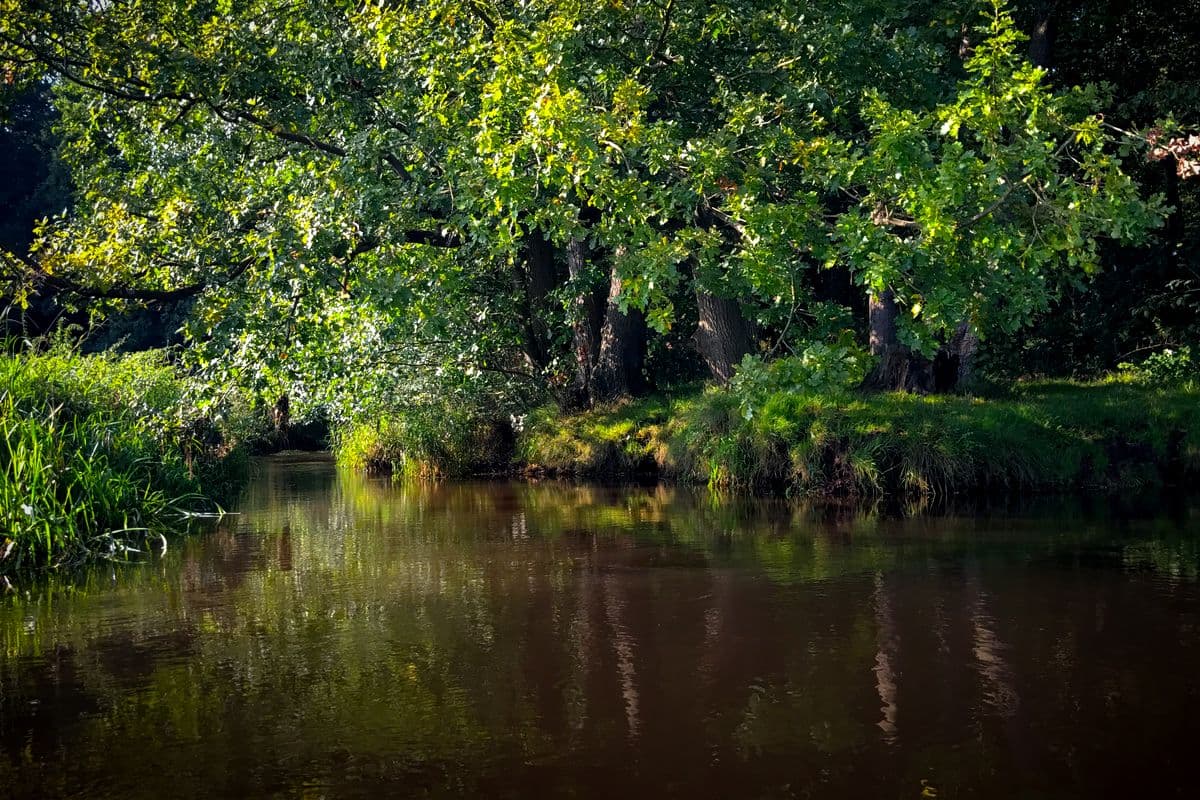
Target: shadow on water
[(350, 637)]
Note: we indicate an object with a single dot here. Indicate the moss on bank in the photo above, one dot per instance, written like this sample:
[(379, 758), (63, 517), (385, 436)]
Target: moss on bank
[(99, 452), (1038, 436)]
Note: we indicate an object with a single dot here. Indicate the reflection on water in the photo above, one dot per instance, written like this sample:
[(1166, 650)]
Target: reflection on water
[(343, 637)]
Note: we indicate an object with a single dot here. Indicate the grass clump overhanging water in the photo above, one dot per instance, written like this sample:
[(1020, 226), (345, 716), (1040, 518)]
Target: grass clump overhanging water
[(1039, 435), (431, 441), (99, 453)]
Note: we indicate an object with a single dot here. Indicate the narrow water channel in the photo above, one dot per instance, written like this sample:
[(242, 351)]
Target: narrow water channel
[(343, 637)]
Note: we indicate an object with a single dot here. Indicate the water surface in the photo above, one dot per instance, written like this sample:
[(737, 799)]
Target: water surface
[(348, 638)]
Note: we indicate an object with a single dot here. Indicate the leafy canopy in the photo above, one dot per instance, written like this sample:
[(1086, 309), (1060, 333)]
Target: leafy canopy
[(347, 189)]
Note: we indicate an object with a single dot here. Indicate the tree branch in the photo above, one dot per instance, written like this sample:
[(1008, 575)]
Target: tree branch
[(438, 238), (22, 267), (233, 116), (657, 52)]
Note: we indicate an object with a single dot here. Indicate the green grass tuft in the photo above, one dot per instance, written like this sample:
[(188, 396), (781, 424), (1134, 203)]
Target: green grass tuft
[(95, 457)]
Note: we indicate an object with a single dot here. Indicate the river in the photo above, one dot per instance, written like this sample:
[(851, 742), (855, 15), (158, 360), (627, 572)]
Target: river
[(346, 637)]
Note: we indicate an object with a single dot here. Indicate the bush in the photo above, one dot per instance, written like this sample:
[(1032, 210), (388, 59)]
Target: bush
[(825, 369), (1168, 367), (617, 440)]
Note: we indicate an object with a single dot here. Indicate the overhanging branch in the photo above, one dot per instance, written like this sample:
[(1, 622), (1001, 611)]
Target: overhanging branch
[(18, 267)]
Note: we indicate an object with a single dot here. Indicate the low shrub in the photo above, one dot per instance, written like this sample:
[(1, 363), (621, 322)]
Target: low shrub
[(615, 440), (1168, 367), (427, 441)]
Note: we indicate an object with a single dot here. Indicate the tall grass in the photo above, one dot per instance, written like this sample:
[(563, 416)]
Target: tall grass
[(1038, 436), (97, 453), (427, 442)]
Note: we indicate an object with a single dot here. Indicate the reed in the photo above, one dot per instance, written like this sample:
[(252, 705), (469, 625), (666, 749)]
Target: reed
[(95, 458)]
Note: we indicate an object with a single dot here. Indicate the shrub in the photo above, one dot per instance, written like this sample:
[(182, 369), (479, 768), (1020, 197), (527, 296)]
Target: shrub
[(432, 441), (821, 368), (1169, 367)]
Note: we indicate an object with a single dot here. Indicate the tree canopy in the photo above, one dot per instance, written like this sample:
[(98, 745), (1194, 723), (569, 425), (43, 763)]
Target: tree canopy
[(543, 195)]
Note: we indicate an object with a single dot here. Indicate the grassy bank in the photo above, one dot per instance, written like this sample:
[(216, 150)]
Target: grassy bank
[(1038, 436), (97, 454), (437, 441), (1119, 433)]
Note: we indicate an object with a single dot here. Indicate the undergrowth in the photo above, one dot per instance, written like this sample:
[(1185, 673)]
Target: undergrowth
[(431, 441), (1035, 436)]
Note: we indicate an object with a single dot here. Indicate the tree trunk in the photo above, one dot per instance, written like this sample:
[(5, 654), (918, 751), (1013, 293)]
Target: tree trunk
[(281, 417), (954, 364), (723, 334), (618, 368), (898, 368), (964, 345), (586, 326), (1041, 37), (535, 279)]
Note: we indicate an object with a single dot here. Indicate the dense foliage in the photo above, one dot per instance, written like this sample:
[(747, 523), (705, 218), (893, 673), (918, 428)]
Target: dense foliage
[(1145, 298), (369, 200), (423, 219)]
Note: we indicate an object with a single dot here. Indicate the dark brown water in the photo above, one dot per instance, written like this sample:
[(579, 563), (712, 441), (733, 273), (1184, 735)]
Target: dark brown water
[(347, 638)]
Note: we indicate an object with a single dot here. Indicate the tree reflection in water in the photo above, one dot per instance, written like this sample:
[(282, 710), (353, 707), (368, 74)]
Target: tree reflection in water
[(348, 637)]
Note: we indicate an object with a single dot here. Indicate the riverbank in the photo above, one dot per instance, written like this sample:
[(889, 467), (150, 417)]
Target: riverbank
[(99, 454), (1037, 436)]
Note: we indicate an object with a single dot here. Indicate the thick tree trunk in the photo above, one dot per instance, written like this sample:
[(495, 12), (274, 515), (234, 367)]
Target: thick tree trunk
[(898, 368), (965, 345), (618, 368), (723, 334), (535, 279), (881, 317), (586, 326), (609, 346), (954, 364)]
